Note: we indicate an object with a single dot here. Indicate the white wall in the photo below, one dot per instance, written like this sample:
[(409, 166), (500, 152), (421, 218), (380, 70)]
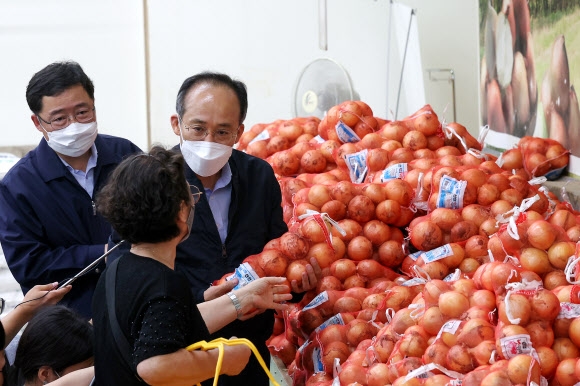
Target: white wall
[(105, 37), (265, 43)]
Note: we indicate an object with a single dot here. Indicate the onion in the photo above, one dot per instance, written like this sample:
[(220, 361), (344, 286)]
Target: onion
[(347, 304), (541, 234), (295, 270), (565, 374), (476, 246), (523, 369), (548, 361), (453, 304), (412, 345), (436, 353), (357, 293), (445, 218), (388, 211), (519, 308), (483, 298), (354, 281), (468, 266), (500, 207), (459, 359), (483, 352), (361, 209), (496, 378), (352, 373), (335, 209), (426, 235), (273, 262), (371, 141), (279, 346), (328, 283), (359, 330), (319, 195), (476, 214), (574, 331), (554, 279), (541, 333), (351, 227), (463, 230), (359, 248), (377, 374), (377, 232), (293, 245), (487, 194), (391, 253), (545, 305), (559, 253), (563, 218), (323, 253), (475, 331), (433, 320), (342, 268), (565, 348), (535, 260), (500, 180)]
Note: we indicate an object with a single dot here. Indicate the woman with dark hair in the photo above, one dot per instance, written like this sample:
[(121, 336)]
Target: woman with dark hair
[(57, 341), (143, 311)]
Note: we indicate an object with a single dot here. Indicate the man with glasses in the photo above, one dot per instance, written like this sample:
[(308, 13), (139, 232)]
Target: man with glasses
[(49, 227), (240, 208)]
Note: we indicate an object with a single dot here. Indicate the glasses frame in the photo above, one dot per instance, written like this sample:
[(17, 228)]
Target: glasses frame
[(68, 119), (2, 305), (195, 194), (233, 134)]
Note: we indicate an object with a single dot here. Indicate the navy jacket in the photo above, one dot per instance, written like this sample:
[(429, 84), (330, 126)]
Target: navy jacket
[(255, 217), (49, 227)]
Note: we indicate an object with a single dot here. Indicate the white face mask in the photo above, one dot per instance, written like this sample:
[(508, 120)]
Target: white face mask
[(205, 158), (74, 140)]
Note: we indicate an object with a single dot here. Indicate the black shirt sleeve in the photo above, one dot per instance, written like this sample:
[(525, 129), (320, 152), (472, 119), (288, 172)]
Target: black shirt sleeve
[(164, 329)]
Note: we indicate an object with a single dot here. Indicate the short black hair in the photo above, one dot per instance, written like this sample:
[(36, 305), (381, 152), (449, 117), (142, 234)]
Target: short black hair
[(216, 79), (143, 196), (57, 337), (53, 80)]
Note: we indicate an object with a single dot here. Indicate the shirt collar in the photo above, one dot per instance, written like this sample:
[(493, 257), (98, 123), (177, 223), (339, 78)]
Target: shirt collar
[(224, 180), (90, 164)]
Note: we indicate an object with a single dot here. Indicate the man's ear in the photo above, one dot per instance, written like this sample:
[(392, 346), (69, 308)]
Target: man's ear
[(240, 132), (175, 124), (36, 122)]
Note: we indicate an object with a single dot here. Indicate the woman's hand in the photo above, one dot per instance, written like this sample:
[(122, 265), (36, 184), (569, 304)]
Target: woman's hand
[(40, 296), (215, 291), (235, 358), (264, 293)]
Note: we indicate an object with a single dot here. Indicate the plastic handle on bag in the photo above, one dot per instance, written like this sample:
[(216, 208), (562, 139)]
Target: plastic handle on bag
[(219, 344)]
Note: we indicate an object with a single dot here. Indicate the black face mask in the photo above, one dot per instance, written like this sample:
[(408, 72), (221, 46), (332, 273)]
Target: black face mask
[(189, 223)]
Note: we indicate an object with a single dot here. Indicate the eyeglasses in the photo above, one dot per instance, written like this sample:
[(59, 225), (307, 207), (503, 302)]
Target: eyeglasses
[(2, 305), (198, 133), (195, 194), (60, 121)]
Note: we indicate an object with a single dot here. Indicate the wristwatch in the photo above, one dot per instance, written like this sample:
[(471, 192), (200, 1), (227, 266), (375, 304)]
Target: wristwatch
[(237, 303)]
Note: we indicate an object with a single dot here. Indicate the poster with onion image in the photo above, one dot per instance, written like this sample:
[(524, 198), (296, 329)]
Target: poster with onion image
[(530, 68)]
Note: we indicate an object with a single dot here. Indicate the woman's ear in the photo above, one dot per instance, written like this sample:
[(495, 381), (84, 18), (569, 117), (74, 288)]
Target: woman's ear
[(44, 373), (183, 213)]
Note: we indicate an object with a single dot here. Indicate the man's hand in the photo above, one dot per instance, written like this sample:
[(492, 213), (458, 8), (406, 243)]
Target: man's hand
[(309, 278), (215, 291)]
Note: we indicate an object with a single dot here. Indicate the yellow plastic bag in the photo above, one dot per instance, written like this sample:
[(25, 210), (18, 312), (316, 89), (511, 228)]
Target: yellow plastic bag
[(219, 344)]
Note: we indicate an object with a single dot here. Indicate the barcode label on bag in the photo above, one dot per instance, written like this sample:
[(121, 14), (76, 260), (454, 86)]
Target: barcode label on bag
[(245, 275), (451, 193)]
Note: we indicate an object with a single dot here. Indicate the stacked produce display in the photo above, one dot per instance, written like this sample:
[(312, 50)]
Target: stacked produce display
[(444, 265)]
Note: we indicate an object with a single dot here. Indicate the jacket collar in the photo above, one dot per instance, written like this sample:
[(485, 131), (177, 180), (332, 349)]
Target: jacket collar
[(50, 166)]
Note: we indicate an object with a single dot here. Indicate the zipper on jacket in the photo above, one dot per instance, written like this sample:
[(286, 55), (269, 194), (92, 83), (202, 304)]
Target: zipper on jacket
[(94, 208), (224, 253)]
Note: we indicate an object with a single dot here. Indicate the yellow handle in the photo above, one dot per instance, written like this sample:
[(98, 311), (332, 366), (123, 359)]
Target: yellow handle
[(219, 344)]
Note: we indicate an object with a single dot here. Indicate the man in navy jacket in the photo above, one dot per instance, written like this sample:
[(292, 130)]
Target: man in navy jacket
[(240, 210), (49, 227)]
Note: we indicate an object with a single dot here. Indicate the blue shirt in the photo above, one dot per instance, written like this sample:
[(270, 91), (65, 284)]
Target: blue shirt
[(85, 179), (219, 201)]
